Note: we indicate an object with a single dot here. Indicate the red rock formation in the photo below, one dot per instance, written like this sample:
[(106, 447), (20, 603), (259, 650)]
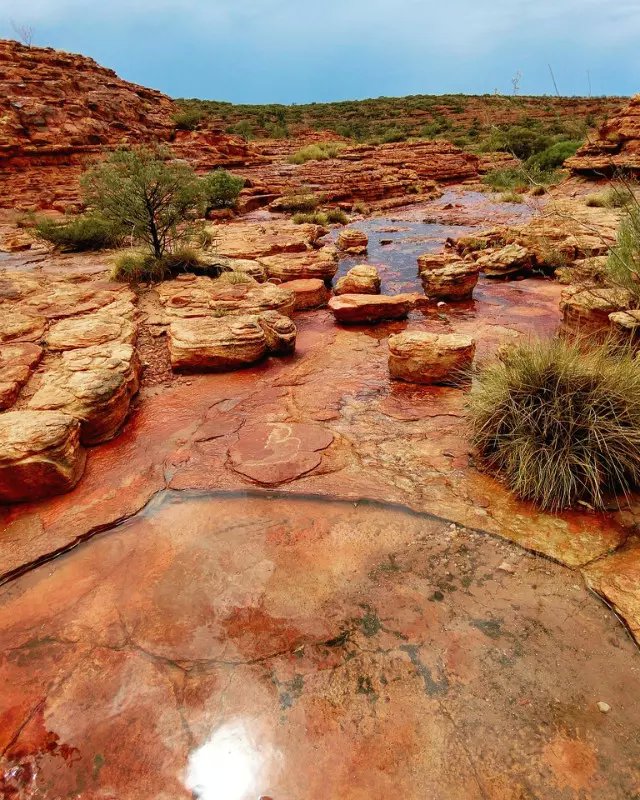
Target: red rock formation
[(61, 110), (616, 146)]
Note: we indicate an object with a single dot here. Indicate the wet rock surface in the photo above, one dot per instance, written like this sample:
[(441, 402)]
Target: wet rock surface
[(332, 626), (300, 645)]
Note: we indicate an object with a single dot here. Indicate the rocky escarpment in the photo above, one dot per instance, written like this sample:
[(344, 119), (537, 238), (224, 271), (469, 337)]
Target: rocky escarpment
[(616, 146), (59, 111)]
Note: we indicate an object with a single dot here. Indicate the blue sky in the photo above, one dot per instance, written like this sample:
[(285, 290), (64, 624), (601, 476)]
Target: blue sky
[(261, 51)]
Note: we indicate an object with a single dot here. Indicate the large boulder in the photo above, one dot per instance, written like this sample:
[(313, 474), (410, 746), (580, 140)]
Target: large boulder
[(626, 326), (446, 277), (95, 385), (40, 454), (361, 279), (364, 308), (353, 241), (201, 344), (430, 358), (509, 261), (309, 293)]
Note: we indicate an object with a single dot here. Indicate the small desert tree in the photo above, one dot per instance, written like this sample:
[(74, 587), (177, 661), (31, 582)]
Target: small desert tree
[(144, 193)]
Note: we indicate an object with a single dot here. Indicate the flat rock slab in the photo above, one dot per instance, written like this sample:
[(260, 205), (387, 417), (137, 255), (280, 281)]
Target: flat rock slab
[(40, 454), (256, 240), (310, 649), (279, 452), (18, 326), (191, 296), (89, 330), (363, 308)]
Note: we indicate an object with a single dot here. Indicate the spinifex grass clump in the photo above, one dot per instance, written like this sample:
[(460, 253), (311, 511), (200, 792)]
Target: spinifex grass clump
[(560, 424), (623, 264), (79, 234)]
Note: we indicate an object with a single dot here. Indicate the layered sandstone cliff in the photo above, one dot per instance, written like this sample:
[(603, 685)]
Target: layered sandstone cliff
[(615, 147)]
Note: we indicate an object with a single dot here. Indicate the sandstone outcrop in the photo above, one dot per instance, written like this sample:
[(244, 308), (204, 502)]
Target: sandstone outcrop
[(89, 330), (361, 279), (430, 358), (586, 311), (94, 385), (363, 308), (626, 326), (509, 261), (61, 110), (353, 241), (615, 147), (207, 343), (17, 362), (309, 293), (191, 296), (321, 263), (255, 240), (446, 277), (40, 454)]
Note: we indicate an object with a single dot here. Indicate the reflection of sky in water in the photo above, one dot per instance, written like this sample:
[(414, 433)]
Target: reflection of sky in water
[(233, 764)]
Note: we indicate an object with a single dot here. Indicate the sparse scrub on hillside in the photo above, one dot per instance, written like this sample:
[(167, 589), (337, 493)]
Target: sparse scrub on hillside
[(188, 118), (319, 151), (147, 195), (560, 424), (79, 234)]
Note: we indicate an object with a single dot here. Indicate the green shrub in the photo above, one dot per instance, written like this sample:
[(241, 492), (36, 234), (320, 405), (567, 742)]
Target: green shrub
[(144, 193), (321, 151), (86, 232), (560, 424), (188, 119), (553, 156), (293, 202), (331, 217), (623, 263), (505, 180), (140, 266), (220, 189)]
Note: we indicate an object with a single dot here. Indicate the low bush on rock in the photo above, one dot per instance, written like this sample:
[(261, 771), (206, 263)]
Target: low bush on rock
[(188, 119), (331, 217), (79, 234), (220, 189), (145, 267), (560, 424), (320, 151), (614, 197), (294, 202)]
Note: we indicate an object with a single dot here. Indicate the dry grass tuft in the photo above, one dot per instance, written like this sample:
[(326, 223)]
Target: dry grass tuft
[(560, 424)]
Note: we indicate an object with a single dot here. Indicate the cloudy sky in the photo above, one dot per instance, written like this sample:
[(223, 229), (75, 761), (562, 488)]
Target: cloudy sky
[(286, 51)]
